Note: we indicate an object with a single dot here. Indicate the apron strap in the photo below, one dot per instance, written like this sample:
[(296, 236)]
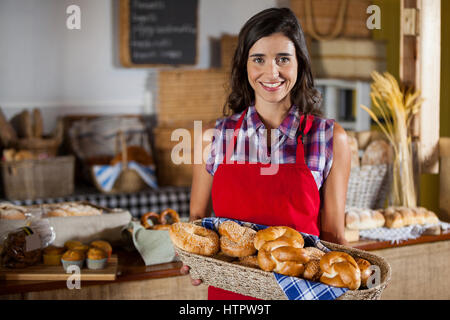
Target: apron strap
[(304, 126), (230, 147)]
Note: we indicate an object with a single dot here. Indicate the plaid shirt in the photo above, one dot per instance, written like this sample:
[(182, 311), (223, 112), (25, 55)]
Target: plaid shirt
[(251, 142)]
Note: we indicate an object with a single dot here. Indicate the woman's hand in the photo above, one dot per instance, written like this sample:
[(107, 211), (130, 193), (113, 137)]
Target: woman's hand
[(185, 270)]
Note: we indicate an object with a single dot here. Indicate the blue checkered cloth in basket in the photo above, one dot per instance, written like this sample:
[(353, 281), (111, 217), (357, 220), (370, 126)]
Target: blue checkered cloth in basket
[(294, 288)]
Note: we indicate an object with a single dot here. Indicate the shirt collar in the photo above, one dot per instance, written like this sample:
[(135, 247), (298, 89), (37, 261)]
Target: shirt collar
[(287, 127)]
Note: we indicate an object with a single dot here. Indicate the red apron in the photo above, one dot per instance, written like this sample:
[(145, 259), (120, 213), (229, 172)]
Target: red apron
[(288, 198)]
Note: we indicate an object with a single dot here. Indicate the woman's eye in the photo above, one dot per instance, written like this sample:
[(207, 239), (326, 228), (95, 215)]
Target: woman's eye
[(283, 60), (258, 60)]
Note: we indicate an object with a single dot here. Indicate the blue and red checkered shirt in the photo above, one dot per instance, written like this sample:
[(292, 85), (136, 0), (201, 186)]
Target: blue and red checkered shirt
[(251, 145)]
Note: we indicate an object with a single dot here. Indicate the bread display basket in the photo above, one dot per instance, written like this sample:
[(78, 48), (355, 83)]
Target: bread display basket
[(262, 284)]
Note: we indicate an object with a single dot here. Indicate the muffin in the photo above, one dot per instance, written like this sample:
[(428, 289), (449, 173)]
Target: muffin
[(103, 245), (73, 257), (96, 259), (81, 247), (52, 255), (69, 245)]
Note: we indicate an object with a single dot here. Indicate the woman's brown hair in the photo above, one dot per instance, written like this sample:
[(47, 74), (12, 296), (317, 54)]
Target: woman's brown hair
[(263, 24)]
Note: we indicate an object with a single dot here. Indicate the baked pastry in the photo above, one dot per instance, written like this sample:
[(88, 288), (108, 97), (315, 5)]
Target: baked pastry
[(96, 254), (96, 259), (312, 270), (52, 255), (366, 271), (193, 238), (377, 152), (340, 270), (72, 210), (360, 219), (397, 217), (72, 244), (236, 240), (81, 247), (274, 233), (103, 245), (280, 249), (73, 257), (314, 253), (11, 212), (160, 221)]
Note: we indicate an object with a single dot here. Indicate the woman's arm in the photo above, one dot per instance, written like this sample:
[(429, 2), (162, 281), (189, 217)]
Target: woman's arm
[(335, 189), (201, 203)]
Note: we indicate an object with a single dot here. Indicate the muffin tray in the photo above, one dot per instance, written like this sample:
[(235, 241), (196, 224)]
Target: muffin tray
[(55, 273)]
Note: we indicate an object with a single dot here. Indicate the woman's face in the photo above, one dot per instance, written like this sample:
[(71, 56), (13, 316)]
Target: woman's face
[(272, 68)]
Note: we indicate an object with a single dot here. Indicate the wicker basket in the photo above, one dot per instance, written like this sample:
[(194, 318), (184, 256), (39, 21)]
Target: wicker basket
[(368, 186), (128, 181), (263, 285), (34, 179), (169, 173), (325, 15), (188, 95)]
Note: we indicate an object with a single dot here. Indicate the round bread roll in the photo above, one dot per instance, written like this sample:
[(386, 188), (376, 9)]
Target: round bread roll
[(340, 270), (312, 270), (314, 253), (193, 238), (377, 152), (274, 233), (281, 257), (236, 241)]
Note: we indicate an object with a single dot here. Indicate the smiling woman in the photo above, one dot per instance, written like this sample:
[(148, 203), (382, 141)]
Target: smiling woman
[(275, 110)]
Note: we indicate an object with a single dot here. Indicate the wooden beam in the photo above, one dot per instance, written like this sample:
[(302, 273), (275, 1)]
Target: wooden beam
[(429, 83)]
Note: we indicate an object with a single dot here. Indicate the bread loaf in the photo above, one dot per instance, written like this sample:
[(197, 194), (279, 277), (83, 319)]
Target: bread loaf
[(398, 217), (360, 219)]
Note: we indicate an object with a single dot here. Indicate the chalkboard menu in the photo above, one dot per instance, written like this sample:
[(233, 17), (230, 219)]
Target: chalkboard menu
[(158, 32)]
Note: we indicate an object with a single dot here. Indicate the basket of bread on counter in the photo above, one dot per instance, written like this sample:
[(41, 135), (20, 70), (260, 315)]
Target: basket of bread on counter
[(276, 262)]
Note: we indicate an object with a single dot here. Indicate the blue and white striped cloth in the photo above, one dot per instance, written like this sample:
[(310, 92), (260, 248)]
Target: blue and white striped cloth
[(294, 288), (106, 175)]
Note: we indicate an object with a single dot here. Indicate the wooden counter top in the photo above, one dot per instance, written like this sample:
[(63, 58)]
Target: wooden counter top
[(132, 268)]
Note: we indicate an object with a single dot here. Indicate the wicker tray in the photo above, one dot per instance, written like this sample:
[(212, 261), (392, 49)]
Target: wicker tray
[(263, 285)]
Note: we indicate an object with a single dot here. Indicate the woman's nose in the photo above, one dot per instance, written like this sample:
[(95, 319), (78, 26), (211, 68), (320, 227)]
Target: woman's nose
[(273, 69)]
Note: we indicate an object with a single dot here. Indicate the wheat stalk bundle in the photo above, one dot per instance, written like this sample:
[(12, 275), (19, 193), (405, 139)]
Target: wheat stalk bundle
[(396, 108)]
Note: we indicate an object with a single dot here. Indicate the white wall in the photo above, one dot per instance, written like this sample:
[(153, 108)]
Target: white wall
[(61, 71)]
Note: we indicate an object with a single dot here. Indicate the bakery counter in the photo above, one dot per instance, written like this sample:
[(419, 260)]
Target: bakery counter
[(419, 266), (419, 271)]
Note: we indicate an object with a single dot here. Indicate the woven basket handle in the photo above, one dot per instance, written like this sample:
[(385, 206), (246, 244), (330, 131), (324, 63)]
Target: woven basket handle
[(339, 21)]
